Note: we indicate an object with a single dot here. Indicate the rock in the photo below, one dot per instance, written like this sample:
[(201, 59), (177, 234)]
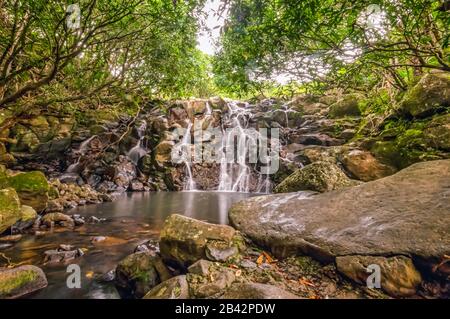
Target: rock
[(437, 132), (404, 214), (315, 139), (21, 281), (430, 94), (318, 176), (27, 218), (62, 254), (174, 288), (138, 273), (345, 106), (32, 188), (11, 238), (9, 208), (136, 186), (399, 277), (220, 251), (163, 152), (218, 279), (364, 166), (256, 291), (183, 240), (200, 267), (52, 219), (54, 206)]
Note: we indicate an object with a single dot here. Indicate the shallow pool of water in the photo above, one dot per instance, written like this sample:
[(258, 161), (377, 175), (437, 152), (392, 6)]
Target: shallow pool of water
[(130, 220)]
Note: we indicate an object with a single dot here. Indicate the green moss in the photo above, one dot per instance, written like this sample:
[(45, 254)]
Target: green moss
[(13, 281), (29, 182)]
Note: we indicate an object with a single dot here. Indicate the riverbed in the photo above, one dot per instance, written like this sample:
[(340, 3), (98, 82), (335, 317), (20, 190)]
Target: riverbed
[(130, 220)]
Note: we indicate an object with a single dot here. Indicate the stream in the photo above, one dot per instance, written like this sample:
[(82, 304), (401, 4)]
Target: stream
[(131, 219)]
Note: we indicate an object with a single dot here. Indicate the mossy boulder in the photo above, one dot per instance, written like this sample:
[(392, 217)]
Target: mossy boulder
[(138, 273), (318, 176), (21, 281), (430, 94), (347, 105), (184, 240), (32, 188), (437, 132), (9, 208)]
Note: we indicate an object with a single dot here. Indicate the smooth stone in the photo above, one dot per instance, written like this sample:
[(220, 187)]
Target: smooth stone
[(406, 214)]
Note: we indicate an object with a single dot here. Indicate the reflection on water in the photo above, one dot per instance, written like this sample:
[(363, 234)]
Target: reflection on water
[(132, 218)]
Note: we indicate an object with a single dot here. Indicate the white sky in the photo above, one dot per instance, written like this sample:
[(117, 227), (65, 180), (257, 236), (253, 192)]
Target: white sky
[(206, 38)]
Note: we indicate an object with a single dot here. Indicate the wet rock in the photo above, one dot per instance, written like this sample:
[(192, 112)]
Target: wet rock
[(95, 220), (70, 178), (21, 281), (107, 241), (399, 277), (163, 152), (10, 238), (52, 219), (429, 95), (174, 288), (256, 291), (9, 208), (138, 273), (404, 214), (318, 176), (183, 240), (136, 186), (27, 218), (150, 246), (364, 166), (63, 254)]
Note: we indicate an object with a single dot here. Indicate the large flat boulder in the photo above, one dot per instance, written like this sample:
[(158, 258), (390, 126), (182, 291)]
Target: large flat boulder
[(403, 214)]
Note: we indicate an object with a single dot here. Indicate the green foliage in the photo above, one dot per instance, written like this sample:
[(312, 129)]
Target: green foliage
[(327, 43)]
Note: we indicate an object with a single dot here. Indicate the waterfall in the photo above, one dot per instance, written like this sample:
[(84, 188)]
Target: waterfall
[(185, 149), (82, 149), (138, 151), (235, 176)]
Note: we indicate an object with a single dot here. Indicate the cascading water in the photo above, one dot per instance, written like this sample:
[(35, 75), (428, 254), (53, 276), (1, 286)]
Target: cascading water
[(139, 150), (185, 150), (236, 176), (73, 168)]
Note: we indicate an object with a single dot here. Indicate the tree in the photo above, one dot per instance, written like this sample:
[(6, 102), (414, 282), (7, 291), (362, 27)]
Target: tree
[(54, 61), (331, 43)]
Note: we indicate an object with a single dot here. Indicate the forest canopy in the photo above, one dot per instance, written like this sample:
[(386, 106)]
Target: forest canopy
[(59, 57), (326, 43)]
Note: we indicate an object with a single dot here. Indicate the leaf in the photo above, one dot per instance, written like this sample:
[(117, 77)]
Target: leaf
[(306, 282), (260, 260), (269, 259)]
